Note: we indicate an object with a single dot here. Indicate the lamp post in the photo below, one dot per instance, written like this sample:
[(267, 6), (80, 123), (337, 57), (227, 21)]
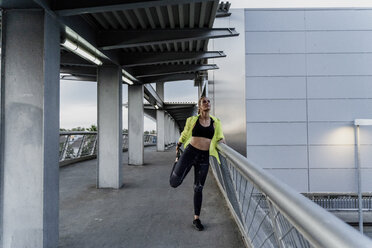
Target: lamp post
[(357, 124)]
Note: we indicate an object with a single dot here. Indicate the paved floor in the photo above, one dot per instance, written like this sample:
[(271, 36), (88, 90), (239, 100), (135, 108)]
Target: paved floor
[(146, 212)]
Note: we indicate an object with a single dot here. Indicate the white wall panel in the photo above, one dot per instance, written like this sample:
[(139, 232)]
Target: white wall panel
[(296, 178), (365, 156), (308, 76), (274, 20), (276, 88), (339, 19), (276, 65), (276, 134), (365, 135), (285, 42), (339, 87), (332, 180), (338, 64), (339, 41), (276, 110), (366, 180), (328, 133), (278, 156), (332, 156), (340, 109)]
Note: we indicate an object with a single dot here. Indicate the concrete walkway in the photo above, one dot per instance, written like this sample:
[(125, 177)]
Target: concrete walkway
[(146, 212)]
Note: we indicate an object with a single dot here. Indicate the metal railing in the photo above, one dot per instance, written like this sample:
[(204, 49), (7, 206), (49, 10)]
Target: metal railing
[(341, 201), (271, 214), (81, 145)]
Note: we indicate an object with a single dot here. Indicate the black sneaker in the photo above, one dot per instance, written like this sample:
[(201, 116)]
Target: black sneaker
[(198, 225)]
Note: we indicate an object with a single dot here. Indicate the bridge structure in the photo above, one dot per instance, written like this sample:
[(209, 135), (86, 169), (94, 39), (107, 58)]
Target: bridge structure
[(134, 42)]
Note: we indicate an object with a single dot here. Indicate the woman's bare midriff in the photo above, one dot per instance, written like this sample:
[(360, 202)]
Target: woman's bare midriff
[(200, 143)]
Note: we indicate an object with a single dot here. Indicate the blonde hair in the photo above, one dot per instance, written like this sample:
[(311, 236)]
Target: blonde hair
[(199, 103)]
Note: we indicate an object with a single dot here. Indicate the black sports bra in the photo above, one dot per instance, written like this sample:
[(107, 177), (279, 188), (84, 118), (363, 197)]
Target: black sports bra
[(200, 131)]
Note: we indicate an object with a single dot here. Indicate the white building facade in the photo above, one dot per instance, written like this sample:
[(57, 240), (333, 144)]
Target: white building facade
[(300, 78)]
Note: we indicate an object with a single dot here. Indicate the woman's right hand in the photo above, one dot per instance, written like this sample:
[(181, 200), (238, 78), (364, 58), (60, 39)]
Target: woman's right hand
[(178, 146)]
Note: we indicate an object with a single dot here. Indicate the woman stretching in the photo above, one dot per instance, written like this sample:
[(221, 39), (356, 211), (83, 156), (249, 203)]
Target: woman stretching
[(199, 137)]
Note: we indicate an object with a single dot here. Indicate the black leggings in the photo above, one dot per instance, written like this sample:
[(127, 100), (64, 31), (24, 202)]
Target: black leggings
[(200, 160)]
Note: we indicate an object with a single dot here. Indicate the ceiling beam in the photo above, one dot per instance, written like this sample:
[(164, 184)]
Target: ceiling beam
[(79, 78), (71, 59), (223, 10), (137, 59), (179, 106), (79, 70), (153, 95), (168, 78), (73, 7), (18, 4), (158, 70), (113, 39)]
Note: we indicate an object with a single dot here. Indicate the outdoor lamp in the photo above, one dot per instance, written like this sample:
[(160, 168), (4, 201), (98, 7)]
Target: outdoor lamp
[(127, 80), (75, 48)]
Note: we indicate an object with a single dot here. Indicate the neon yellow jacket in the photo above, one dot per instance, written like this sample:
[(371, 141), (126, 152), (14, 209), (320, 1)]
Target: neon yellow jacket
[(187, 133)]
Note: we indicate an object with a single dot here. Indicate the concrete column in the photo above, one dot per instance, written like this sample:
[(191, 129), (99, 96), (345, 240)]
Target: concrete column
[(167, 128), (170, 128), (202, 83), (197, 83), (206, 86), (110, 141), (174, 132), (171, 131), (160, 90), (29, 166), (160, 130), (135, 124), (199, 90)]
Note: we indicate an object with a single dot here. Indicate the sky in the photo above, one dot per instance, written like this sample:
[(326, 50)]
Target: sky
[(78, 102)]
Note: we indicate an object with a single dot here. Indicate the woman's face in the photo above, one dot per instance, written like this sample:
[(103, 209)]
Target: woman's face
[(205, 104)]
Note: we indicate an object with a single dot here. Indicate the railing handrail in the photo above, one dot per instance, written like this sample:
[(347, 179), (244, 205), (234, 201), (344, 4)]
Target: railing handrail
[(76, 132), (318, 226), (90, 132)]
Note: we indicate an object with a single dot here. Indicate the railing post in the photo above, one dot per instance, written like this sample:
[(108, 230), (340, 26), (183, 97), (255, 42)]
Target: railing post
[(64, 151), (94, 144), (275, 225), (80, 146)]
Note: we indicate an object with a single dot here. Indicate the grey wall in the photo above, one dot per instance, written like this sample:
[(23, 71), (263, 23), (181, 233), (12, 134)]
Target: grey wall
[(226, 86), (308, 76)]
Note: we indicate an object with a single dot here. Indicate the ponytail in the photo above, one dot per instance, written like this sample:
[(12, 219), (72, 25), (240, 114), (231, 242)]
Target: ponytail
[(199, 103)]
